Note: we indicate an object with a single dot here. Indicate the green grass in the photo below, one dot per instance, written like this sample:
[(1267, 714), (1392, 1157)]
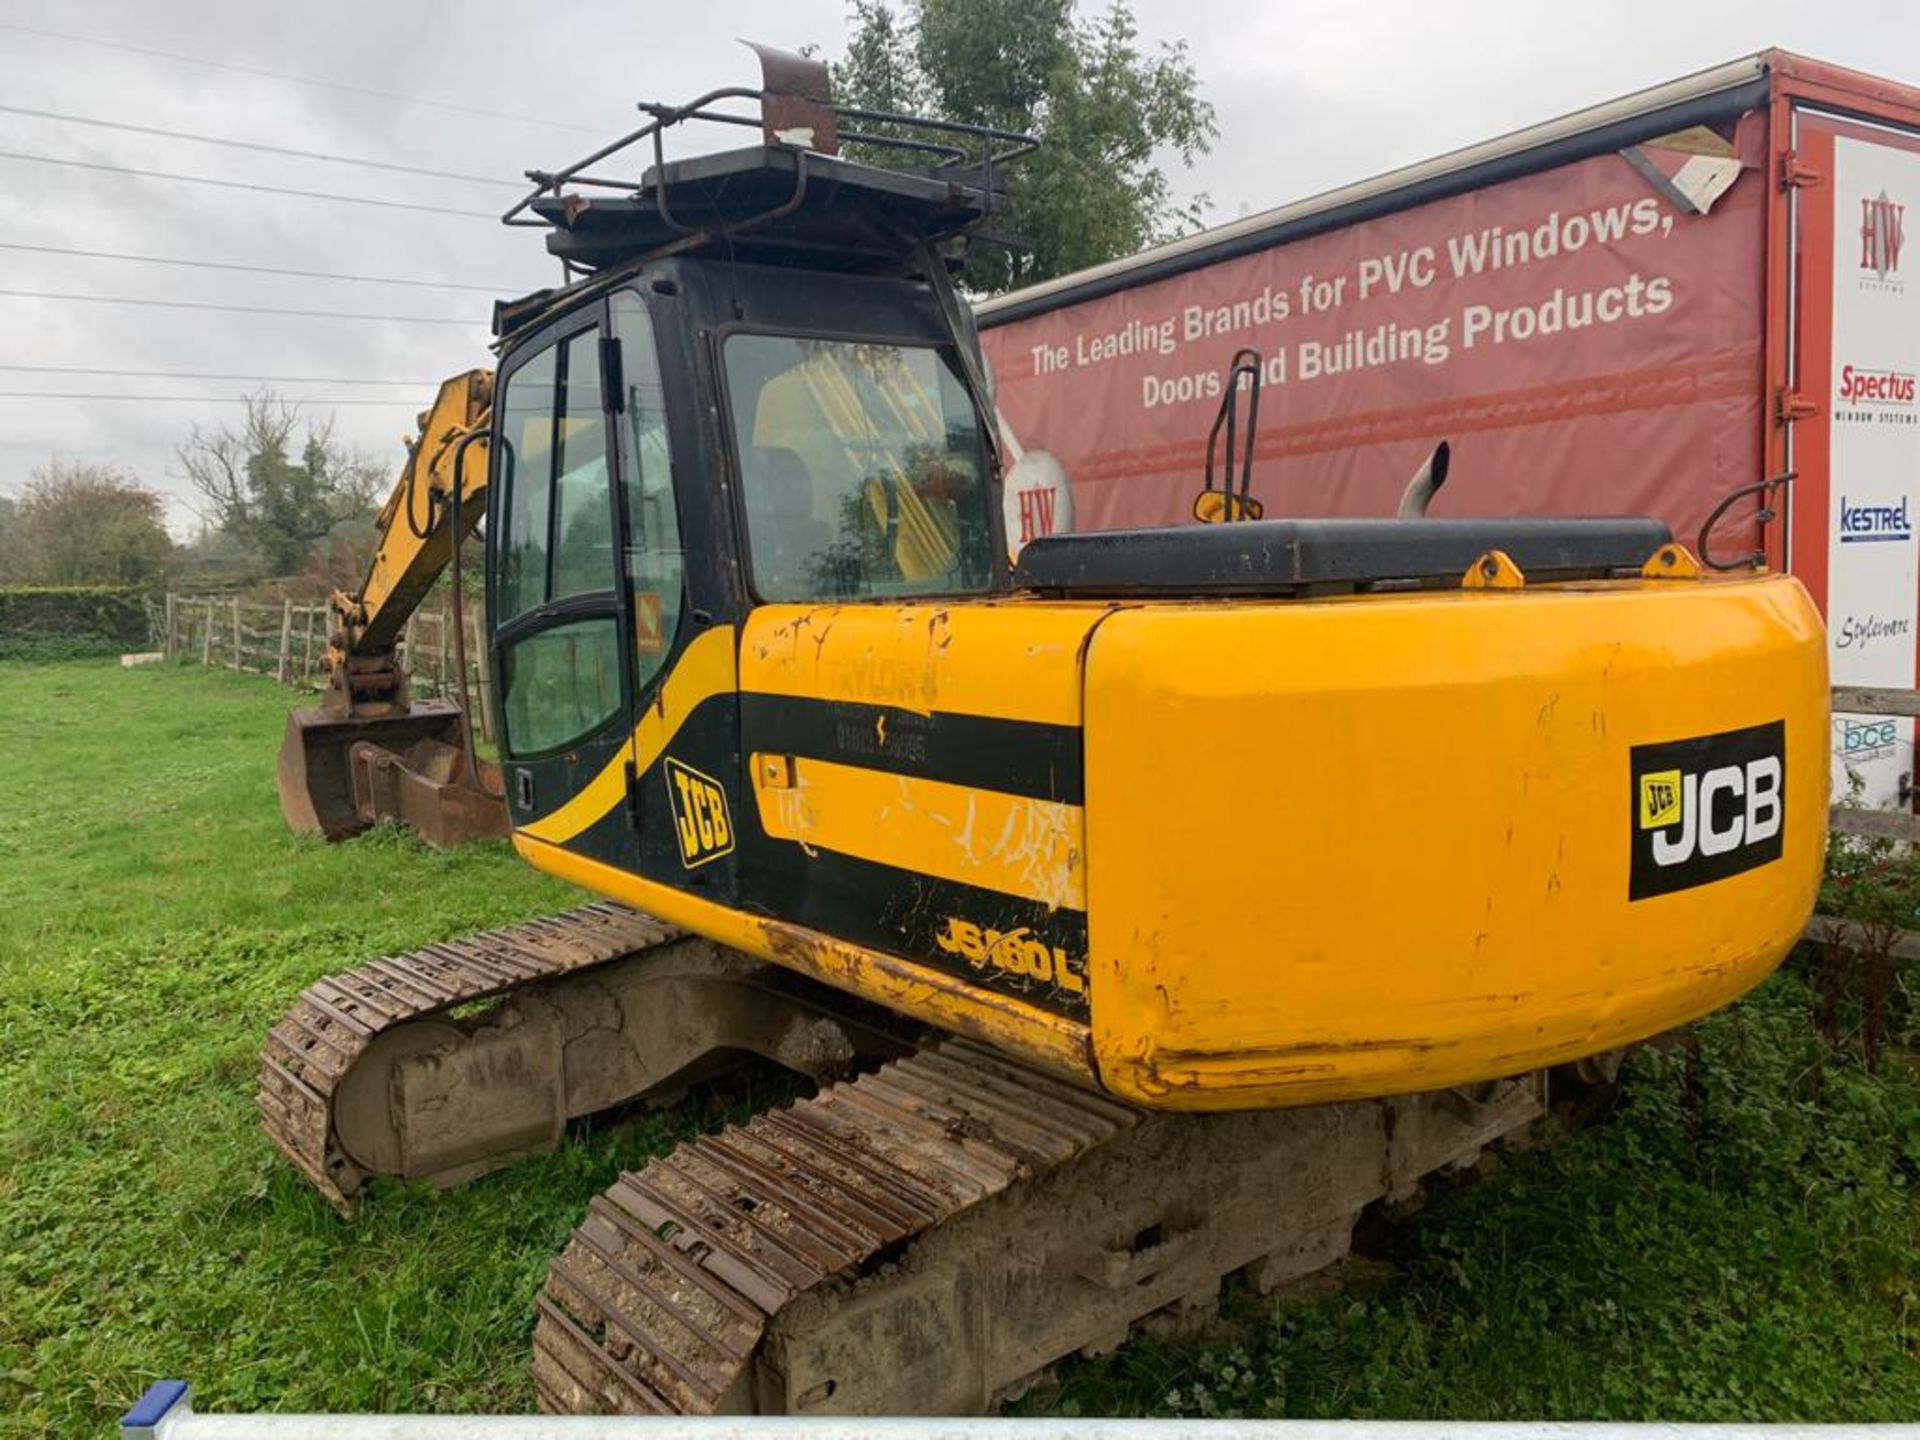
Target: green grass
[(155, 918), (1740, 1240)]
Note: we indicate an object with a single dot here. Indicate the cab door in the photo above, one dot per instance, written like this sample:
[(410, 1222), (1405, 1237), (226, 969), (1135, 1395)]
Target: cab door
[(614, 665), (556, 602), (677, 826)]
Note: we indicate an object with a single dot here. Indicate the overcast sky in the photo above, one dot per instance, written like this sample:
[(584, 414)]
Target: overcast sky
[(1310, 95)]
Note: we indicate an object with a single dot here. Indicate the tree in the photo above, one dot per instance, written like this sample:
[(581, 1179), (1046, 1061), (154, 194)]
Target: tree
[(1106, 113), (81, 524), (258, 494)]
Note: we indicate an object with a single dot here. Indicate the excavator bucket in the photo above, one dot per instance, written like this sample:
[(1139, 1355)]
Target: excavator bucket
[(339, 774)]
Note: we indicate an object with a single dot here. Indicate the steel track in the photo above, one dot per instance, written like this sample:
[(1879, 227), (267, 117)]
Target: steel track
[(310, 1052)]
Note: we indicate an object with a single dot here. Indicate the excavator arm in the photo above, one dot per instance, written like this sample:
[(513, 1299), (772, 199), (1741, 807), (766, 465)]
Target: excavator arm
[(368, 752), (439, 497)]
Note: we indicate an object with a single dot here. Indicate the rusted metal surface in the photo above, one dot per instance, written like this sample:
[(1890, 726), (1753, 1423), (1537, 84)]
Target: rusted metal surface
[(340, 773), (433, 787), (796, 103), (310, 1053), (924, 1239)]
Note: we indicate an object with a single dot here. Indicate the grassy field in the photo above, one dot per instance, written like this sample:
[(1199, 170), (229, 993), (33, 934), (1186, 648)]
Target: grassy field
[(1740, 1240)]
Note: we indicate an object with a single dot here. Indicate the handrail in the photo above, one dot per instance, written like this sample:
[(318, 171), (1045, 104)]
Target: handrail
[(1764, 516), (995, 147)]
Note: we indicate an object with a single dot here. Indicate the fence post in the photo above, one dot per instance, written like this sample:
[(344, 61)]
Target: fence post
[(286, 637), (206, 641), (168, 644), (406, 643), (238, 633), (306, 635), (489, 727), (440, 651)]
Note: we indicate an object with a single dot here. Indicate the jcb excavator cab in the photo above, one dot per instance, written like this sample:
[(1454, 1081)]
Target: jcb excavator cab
[(789, 411), (760, 351), (697, 440)]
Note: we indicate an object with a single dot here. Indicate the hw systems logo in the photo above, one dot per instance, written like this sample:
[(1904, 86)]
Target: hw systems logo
[(1706, 808), (1874, 522), (1882, 235)]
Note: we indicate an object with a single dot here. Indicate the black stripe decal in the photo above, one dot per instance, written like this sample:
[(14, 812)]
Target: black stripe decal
[(1008, 944), (1017, 757)]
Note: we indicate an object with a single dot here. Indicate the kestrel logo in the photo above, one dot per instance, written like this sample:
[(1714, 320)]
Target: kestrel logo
[(700, 817), (1882, 234), (1874, 523)]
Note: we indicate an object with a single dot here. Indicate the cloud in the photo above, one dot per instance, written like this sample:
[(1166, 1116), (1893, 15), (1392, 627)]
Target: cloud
[(1310, 95)]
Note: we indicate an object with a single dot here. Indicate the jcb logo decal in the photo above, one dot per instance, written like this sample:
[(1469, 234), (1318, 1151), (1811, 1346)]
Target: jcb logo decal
[(1660, 799), (1017, 952), (1707, 808), (700, 817)]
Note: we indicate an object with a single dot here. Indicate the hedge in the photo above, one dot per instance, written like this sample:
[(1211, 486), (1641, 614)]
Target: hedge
[(61, 622)]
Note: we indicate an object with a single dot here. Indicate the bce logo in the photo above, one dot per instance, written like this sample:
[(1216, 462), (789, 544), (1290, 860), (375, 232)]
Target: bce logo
[(1861, 739)]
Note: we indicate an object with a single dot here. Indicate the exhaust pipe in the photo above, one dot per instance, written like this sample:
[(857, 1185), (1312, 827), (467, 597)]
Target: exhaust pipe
[(1426, 483)]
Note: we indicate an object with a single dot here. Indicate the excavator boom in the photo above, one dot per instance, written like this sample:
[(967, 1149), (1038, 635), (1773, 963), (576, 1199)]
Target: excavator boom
[(368, 752)]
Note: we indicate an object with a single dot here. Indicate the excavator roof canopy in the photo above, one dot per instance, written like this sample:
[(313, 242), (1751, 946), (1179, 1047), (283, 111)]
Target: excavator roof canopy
[(794, 199), (771, 205)]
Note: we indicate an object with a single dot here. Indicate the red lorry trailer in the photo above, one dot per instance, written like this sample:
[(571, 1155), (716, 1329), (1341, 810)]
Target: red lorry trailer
[(1697, 297)]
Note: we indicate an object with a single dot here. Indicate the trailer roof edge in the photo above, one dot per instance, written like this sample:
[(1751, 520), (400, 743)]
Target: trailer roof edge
[(1694, 99)]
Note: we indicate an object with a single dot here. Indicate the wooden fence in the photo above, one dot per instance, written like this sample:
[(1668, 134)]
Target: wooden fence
[(289, 642), (1875, 824)]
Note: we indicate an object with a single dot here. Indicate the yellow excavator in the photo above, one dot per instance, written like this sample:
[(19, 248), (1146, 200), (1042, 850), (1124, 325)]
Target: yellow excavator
[(1142, 908)]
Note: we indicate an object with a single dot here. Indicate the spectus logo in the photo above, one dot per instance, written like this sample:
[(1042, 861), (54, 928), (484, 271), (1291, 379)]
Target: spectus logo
[(1882, 235)]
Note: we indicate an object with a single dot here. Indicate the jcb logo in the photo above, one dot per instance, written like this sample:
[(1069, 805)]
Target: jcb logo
[(1660, 799), (700, 817), (1707, 808), (1016, 952)]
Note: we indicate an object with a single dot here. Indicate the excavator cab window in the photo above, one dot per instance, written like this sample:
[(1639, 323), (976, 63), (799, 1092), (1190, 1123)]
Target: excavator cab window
[(655, 559), (555, 558), (862, 467)]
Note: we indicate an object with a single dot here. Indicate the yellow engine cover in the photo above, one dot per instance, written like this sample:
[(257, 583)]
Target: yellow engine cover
[(1368, 846), (1268, 852)]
